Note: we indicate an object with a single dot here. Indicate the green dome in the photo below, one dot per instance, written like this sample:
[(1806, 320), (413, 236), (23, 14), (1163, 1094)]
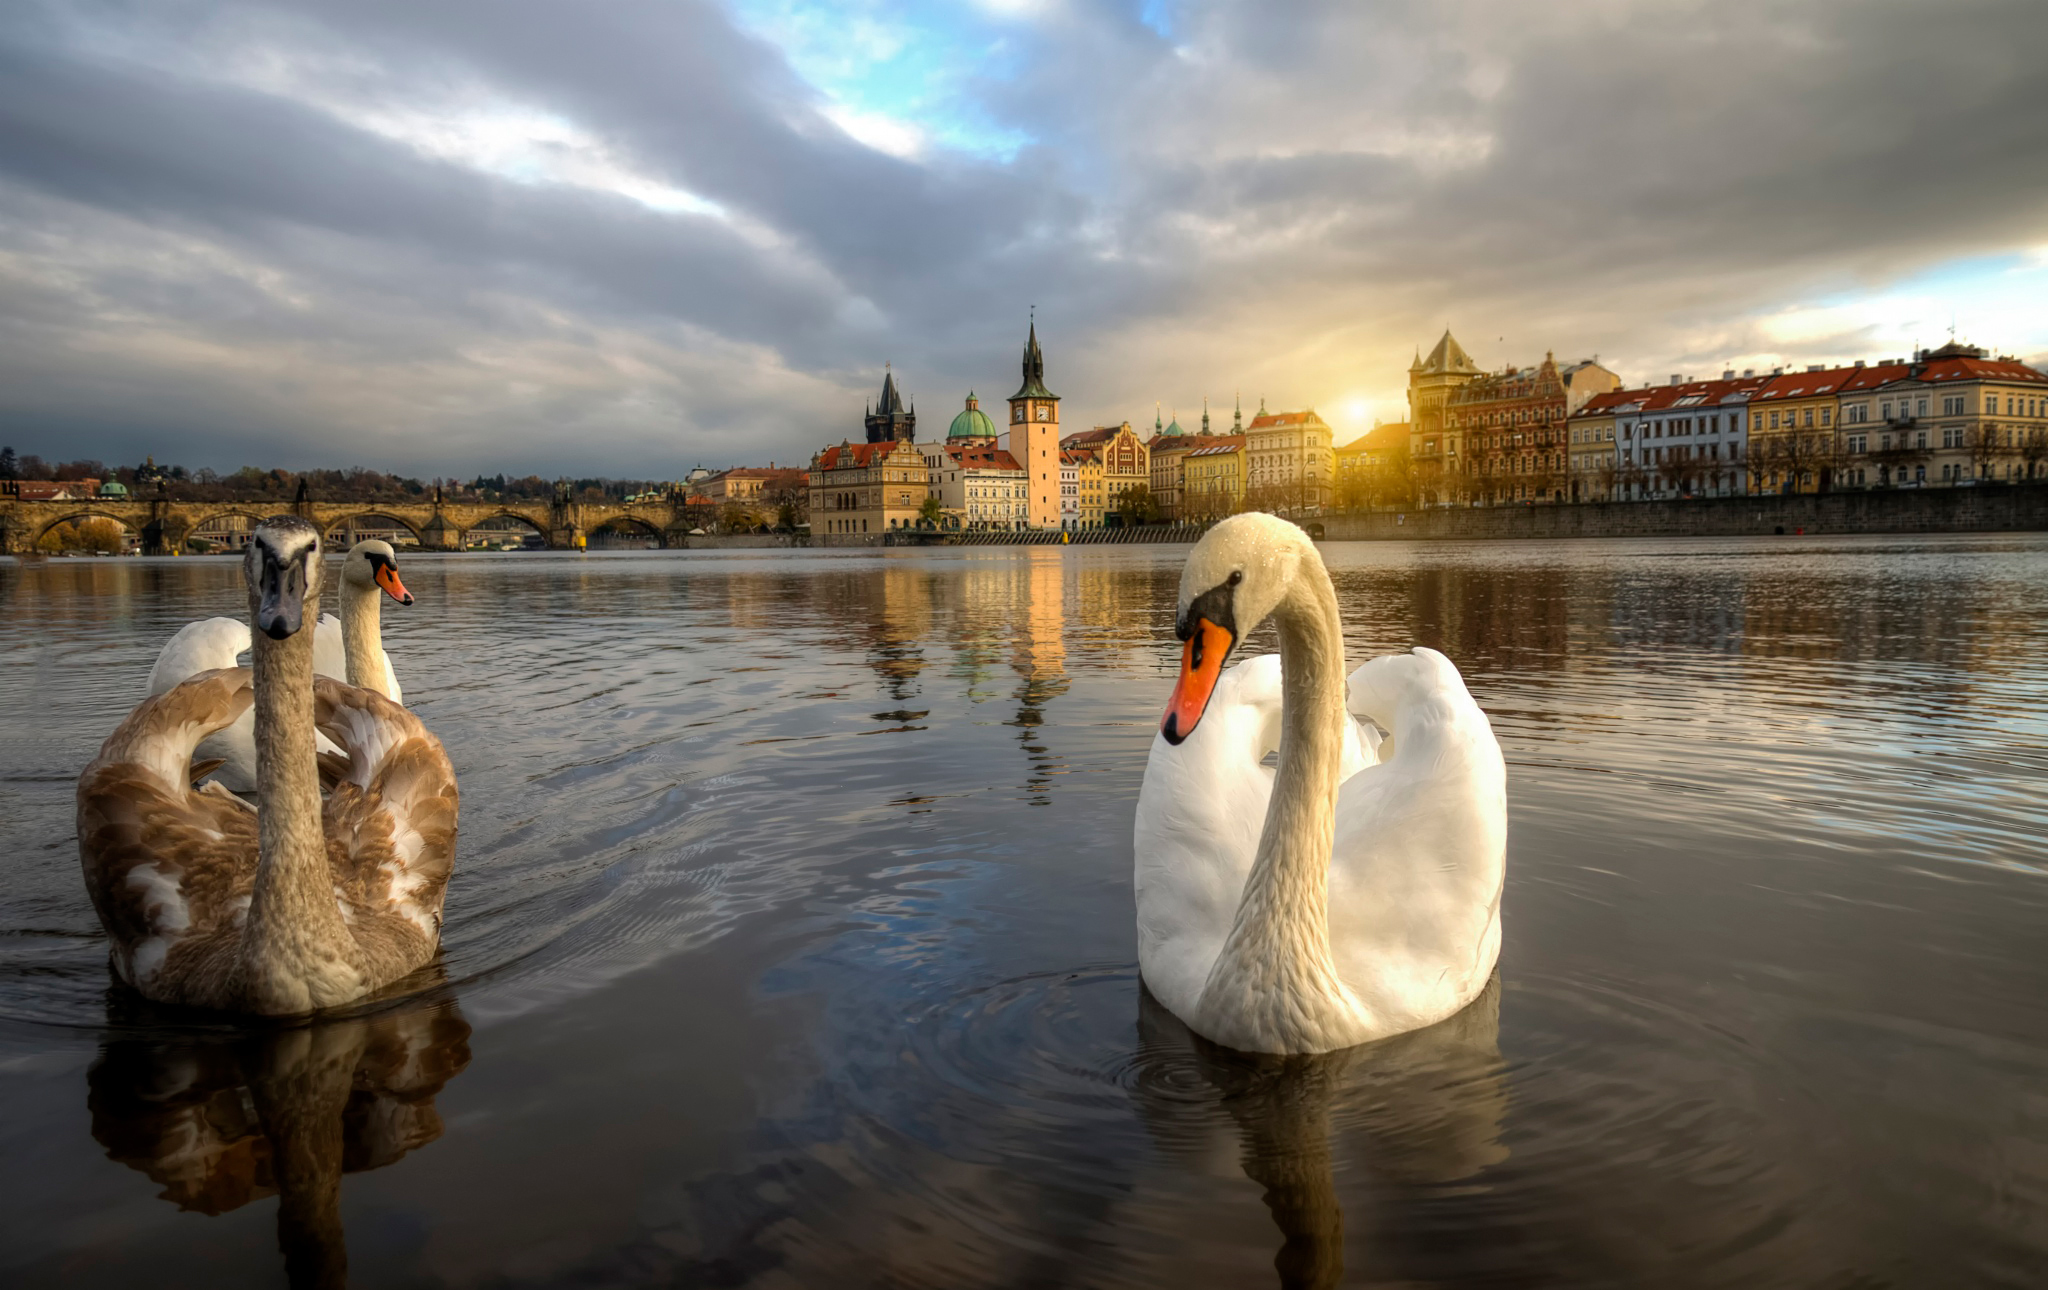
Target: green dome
[(113, 488), (972, 423)]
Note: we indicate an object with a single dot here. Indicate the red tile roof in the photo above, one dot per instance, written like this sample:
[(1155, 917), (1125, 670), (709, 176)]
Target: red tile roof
[(1219, 445), (1604, 405), (1273, 420), (1380, 438), (1981, 369), (1656, 398), (985, 458), (1833, 380), (846, 456)]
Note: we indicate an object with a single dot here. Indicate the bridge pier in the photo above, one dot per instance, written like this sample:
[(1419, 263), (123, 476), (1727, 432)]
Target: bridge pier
[(437, 534)]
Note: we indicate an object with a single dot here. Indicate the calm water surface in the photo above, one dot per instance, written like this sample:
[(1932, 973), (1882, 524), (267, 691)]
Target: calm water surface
[(791, 942)]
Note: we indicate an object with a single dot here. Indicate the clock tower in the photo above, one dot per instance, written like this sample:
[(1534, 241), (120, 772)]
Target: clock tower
[(1035, 438)]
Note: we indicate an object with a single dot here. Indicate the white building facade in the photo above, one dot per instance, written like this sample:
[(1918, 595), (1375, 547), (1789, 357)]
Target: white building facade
[(978, 487)]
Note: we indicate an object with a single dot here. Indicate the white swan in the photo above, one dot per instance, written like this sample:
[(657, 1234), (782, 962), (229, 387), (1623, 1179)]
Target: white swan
[(299, 904), (1324, 903), (349, 648)]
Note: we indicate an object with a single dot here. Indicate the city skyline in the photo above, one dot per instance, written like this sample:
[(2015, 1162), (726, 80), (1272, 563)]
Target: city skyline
[(627, 241)]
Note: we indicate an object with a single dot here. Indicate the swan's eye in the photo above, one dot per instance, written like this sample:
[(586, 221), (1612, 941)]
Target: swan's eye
[(1236, 576)]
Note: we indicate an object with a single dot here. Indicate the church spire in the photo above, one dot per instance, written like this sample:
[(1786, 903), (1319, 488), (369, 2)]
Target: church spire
[(1205, 414), (1237, 415), (1034, 367)]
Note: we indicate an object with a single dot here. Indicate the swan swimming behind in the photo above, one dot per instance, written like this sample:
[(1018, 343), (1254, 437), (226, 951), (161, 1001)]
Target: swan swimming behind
[(349, 648), (1349, 893)]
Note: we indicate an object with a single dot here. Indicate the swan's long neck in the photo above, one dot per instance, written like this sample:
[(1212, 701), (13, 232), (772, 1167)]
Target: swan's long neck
[(362, 634), (295, 938), (1274, 986)]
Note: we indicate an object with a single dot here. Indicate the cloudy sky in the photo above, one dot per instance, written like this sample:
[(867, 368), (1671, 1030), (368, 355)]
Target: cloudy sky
[(628, 236)]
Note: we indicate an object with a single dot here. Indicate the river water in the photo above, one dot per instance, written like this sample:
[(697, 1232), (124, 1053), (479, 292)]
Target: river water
[(791, 941)]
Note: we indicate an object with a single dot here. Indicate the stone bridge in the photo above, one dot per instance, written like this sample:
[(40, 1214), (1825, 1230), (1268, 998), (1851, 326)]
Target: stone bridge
[(164, 524)]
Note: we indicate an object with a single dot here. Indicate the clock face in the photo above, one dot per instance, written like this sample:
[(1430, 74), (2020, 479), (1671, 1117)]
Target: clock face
[(1017, 414), (1044, 413)]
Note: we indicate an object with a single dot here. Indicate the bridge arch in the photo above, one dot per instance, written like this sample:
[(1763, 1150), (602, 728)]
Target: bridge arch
[(228, 527), (501, 527), (601, 533), (335, 533), (129, 529)]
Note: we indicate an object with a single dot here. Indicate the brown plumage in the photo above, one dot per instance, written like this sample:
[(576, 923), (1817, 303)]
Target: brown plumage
[(172, 869)]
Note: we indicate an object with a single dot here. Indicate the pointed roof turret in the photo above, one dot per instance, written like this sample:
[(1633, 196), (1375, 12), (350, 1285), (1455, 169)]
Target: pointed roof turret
[(1034, 369), (1449, 356), (892, 416), (1205, 414), (892, 398)]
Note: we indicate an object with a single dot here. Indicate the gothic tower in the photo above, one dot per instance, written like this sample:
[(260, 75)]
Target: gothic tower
[(890, 419), (1035, 438)]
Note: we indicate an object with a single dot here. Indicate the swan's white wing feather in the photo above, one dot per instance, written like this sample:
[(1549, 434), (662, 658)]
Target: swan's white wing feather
[(1200, 810), (1421, 843), (330, 649), (205, 646)]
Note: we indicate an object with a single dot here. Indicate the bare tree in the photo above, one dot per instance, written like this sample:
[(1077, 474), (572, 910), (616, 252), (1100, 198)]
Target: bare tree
[(1985, 449), (2033, 449)]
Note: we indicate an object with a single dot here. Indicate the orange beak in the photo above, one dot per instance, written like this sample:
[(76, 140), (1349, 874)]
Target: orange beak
[(387, 578), (1201, 663)]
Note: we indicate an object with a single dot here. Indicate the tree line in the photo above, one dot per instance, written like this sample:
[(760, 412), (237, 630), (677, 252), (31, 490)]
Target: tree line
[(250, 484)]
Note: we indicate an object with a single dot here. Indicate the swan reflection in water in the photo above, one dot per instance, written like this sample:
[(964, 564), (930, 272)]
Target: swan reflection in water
[(220, 1119), (1419, 1109)]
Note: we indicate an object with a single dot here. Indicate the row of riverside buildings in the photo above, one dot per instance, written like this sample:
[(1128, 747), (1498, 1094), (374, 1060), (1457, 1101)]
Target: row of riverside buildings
[(1544, 434), (1032, 476), (1557, 433)]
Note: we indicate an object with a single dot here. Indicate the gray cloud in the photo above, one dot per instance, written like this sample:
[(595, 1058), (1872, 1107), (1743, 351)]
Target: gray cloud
[(227, 232)]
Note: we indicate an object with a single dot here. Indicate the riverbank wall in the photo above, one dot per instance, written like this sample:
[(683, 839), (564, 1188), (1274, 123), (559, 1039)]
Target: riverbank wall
[(1995, 509), (742, 541)]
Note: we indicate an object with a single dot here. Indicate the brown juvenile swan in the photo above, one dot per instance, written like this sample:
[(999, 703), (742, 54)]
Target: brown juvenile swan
[(300, 905)]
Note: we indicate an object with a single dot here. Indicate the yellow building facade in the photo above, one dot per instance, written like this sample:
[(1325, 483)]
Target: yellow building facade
[(1213, 479), (867, 488)]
